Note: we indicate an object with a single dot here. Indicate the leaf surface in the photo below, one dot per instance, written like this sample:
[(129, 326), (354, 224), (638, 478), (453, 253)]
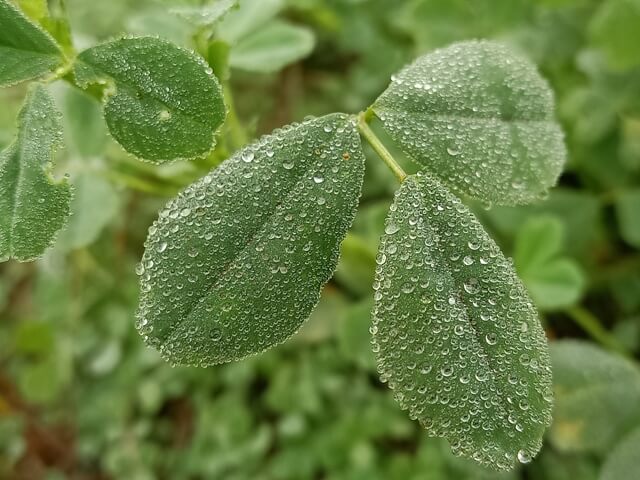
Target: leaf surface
[(456, 336), (26, 50), (235, 263), (33, 207), (597, 397), (272, 47), (480, 118), (164, 102)]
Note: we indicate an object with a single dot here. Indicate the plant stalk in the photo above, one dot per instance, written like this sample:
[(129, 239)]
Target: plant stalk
[(378, 146), (590, 324)]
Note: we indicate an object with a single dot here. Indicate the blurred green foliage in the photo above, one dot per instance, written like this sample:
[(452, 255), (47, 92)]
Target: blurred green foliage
[(82, 398)]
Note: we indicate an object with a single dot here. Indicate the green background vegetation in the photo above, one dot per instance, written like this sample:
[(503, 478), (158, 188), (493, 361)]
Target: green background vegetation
[(81, 396)]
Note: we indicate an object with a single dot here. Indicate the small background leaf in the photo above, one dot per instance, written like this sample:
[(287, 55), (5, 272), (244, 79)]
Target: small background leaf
[(628, 214), (454, 331), (166, 104), (33, 207), (272, 47), (234, 264), (622, 462), (553, 280), (26, 51), (597, 397), (480, 118)]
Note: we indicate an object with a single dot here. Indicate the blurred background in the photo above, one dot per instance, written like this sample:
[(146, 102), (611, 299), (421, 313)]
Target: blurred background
[(81, 397)]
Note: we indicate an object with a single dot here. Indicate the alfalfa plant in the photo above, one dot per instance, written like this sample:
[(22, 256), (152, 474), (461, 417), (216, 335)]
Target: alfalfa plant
[(235, 263)]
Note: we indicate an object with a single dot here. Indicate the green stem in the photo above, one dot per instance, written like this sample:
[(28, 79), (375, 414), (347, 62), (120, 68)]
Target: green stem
[(594, 328), (378, 146)]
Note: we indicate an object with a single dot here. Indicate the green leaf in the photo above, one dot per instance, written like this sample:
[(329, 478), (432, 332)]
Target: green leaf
[(622, 462), (163, 104), (235, 263), (84, 125), (33, 206), (597, 397), (26, 51), (628, 215), (249, 17), (455, 334), (480, 118), (554, 281), (95, 203), (207, 15), (272, 47), (614, 30)]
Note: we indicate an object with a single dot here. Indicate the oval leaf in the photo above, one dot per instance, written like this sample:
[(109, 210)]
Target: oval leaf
[(622, 462), (235, 263), (164, 104), (32, 206), (26, 51), (455, 334), (480, 118), (272, 47)]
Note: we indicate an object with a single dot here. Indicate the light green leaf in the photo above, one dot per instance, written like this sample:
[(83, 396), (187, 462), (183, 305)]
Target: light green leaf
[(455, 334), (249, 17), (554, 281), (235, 263), (95, 203), (628, 214), (480, 118), (163, 103), (622, 462), (614, 30), (272, 47), (33, 206), (26, 51), (597, 397), (86, 134), (207, 15)]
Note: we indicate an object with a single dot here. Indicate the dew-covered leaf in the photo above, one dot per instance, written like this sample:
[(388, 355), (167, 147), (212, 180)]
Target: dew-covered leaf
[(33, 207), (622, 462), (272, 47), (480, 118), (163, 102), (235, 263), (597, 397), (26, 50), (455, 334)]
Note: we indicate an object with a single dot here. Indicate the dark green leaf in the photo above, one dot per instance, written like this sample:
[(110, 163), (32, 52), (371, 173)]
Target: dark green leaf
[(456, 336), (163, 102), (480, 118), (26, 51), (33, 206), (235, 263)]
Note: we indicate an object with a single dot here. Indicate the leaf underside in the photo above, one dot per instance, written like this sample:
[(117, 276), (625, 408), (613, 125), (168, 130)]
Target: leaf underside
[(33, 207), (455, 334), (235, 263), (26, 51), (478, 117), (164, 102)]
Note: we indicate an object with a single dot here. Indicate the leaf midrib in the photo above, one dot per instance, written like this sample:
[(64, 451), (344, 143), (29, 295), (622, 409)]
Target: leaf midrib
[(254, 235), (458, 116)]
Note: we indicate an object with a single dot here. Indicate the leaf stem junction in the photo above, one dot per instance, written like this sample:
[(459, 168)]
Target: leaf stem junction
[(378, 146)]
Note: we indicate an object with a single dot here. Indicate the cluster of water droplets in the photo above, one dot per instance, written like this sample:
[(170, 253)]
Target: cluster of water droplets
[(455, 334), (165, 103), (235, 263), (480, 118), (33, 207)]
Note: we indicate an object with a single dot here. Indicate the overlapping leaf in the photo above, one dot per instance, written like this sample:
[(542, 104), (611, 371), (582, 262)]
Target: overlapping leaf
[(455, 334), (478, 117), (234, 264), (164, 102), (33, 207), (26, 51)]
